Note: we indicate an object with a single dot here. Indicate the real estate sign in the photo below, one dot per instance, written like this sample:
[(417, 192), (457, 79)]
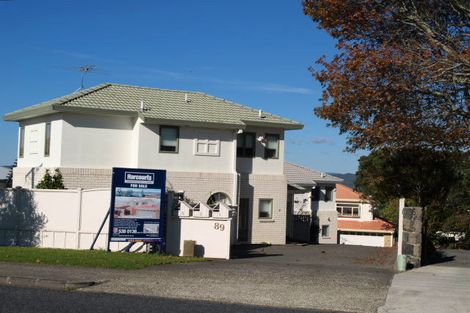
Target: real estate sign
[(137, 205)]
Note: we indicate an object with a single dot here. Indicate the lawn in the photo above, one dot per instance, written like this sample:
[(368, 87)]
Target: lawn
[(87, 258)]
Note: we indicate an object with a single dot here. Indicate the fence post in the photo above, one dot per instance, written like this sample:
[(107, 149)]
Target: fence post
[(79, 216)]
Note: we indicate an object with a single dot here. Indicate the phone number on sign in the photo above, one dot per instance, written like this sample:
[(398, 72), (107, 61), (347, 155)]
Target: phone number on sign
[(127, 231)]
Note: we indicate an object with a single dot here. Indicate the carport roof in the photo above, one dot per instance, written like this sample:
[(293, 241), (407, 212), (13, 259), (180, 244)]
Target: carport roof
[(376, 225), (300, 175)]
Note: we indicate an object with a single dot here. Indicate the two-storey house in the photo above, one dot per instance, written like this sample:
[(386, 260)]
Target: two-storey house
[(212, 149)]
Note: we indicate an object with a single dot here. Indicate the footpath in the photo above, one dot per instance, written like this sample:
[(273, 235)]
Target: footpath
[(440, 288)]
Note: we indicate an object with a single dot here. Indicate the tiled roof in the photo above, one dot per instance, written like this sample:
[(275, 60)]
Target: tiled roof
[(345, 193), (159, 104), (375, 225), (297, 174)]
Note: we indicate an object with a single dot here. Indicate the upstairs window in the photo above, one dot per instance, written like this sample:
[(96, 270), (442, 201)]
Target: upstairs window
[(246, 143), (271, 150), (47, 140), (207, 144), (21, 152), (348, 211), (169, 139)]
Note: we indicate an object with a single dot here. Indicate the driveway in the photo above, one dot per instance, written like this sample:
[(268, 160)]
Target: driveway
[(335, 278), (441, 287)]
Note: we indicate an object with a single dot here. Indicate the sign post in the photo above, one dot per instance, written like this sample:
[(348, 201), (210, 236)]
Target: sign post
[(137, 212)]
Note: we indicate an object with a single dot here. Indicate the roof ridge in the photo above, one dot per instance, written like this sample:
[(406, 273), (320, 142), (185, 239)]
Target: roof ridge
[(155, 88), (252, 109)]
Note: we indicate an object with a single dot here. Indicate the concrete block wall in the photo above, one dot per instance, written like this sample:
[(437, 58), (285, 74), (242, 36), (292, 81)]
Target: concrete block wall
[(256, 187), (200, 186)]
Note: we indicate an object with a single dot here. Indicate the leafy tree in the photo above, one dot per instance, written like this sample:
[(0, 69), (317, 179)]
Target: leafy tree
[(51, 182), (425, 178), (10, 175), (402, 74), (58, 181), (47, 182), (421, 175)]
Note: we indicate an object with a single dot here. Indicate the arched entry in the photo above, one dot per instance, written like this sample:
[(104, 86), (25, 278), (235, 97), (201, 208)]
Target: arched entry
[(219, 197)]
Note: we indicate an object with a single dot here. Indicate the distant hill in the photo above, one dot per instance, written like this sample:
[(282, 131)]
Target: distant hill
[(349, 178)]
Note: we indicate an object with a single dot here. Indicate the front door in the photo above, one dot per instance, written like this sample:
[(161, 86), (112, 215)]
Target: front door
[(243, 217)]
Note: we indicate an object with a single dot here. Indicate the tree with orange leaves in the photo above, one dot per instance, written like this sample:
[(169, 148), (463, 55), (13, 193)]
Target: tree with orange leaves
[(401, 77)]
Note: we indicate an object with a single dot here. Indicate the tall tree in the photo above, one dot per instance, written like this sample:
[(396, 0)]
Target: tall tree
[(402, 74)]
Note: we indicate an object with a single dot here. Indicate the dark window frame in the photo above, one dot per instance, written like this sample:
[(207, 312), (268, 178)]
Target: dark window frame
[(21, 142), (270, 217), (177, 139), (242, 151), (267, 150), (47, 139), (327, 228)]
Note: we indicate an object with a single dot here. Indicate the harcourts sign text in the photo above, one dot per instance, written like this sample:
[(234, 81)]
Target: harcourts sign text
[(139, 178)]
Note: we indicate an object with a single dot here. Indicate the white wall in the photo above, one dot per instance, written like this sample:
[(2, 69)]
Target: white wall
[(212, 236), (186, 159), (94, 141), (73, 218), (34, 141), (258, 164), (104, 141)]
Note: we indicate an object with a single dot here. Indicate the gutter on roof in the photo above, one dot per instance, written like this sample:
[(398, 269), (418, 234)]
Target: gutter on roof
[(159, 121), (30, 113), (84, 110), (298, 187), (264, 123)]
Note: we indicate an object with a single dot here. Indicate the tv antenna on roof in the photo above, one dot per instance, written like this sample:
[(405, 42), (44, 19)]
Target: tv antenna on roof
[(85, 69)]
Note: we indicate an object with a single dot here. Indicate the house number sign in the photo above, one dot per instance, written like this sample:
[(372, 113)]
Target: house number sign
[(218, 226)]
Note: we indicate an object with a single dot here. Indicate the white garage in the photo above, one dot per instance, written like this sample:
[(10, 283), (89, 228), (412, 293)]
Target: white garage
[(362, 239)]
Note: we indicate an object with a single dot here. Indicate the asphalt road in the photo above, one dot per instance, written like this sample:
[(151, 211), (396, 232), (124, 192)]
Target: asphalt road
[(25, 300), (333, 277)]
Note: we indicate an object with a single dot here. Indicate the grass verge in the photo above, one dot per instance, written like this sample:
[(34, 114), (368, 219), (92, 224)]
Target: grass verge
[(87, 258)]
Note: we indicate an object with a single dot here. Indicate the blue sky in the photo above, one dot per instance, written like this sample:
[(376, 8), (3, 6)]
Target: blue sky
[(255, 53)]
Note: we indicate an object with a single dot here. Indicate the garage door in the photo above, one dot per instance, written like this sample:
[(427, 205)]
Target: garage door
[(362, 240)]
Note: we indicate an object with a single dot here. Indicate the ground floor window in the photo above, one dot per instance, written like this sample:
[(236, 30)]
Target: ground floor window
[(265, 208), (325, 230)]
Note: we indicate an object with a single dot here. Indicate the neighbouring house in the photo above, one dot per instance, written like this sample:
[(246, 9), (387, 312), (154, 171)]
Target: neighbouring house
[(311, 205), (356, 222), (213, 149)]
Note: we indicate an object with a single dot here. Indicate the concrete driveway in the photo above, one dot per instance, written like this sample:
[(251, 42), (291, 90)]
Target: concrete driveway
[(336, 278), (441, 287)]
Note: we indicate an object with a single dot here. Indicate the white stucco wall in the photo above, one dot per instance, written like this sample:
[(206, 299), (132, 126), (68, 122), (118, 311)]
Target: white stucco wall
[(94, 141), (34, 141), (186, 160), (258, 164), (104, 141)]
